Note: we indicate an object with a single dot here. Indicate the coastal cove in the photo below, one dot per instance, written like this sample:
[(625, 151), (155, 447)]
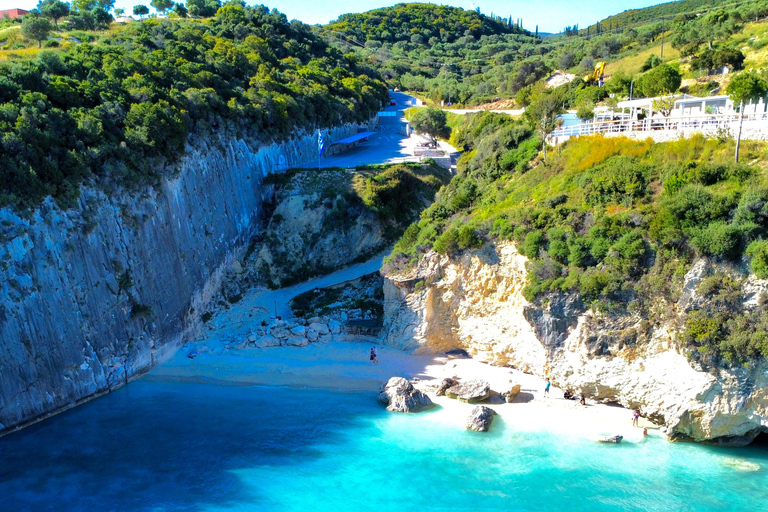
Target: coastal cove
[(179, 440)]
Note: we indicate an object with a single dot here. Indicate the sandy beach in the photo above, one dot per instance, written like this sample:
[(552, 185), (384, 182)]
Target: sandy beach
[(344, 366)]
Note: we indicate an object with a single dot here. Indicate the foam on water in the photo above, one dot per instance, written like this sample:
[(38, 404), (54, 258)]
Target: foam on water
[(169, 446)]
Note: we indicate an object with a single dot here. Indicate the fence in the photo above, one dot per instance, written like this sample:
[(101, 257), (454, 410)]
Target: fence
[(706, 124)]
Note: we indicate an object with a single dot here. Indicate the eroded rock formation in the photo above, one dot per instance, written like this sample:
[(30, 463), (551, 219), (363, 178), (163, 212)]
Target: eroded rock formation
[(475, 302)]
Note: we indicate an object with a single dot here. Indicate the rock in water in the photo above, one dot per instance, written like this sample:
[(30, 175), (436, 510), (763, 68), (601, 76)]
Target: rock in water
[(444, 384), (399, 395), (611, 439), (471, 391), (480, 419), (510, 392)]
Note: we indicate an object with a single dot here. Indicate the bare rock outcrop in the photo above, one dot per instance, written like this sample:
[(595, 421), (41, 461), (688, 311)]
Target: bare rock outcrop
[(470, 391), (399, 395), (480, 418)]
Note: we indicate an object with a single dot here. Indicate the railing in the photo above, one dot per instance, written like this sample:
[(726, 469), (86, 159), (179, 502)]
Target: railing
[(707, 123)]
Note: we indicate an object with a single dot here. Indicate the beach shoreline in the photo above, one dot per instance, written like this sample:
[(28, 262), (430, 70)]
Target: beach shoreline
[(344, 366)]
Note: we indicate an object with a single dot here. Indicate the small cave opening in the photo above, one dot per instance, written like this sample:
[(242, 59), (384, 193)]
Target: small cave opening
[(761, 441)]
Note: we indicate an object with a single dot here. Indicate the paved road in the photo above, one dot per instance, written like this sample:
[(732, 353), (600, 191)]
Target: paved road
[(386, 146)]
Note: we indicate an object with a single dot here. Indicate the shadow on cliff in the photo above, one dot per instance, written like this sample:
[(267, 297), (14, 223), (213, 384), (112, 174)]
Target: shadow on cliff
[(172, 446)]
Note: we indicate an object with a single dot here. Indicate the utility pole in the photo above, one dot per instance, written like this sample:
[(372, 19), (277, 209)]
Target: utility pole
[(741, 122)]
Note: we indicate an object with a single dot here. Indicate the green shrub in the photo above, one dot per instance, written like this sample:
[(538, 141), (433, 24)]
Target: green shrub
[(534, 241), (758, 254), (447, 243)]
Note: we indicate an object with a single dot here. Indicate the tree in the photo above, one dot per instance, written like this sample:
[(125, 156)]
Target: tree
[(180, 11), (36, 27), (586, 111), (140, 10), (203, 8), (432, 122), (119, 11), (161, 5), (747, 86), (663, 79), (53, 9), (664, 105), (546, 105), (651, 62), (88, 5)]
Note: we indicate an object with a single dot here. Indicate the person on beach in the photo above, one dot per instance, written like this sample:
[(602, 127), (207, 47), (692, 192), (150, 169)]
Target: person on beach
[(635, 418), (583, 400), (645, 431), (546, 388), (373, 355)]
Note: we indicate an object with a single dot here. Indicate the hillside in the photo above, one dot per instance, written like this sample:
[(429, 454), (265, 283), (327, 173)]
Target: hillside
[(614, 223), (124, 107), (493, 59), (419, 23)]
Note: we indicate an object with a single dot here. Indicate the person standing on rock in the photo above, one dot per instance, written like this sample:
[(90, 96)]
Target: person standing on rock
[(546, 388)]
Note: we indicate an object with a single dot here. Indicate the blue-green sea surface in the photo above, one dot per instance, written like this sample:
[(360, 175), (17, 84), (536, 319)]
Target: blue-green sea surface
[(160, 446)]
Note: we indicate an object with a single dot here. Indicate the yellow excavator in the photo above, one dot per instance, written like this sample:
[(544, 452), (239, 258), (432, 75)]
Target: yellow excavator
[(597, 75)]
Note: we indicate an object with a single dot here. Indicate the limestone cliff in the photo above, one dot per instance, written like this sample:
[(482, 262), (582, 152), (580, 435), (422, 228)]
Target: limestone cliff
[(94, 296), (475, 302)]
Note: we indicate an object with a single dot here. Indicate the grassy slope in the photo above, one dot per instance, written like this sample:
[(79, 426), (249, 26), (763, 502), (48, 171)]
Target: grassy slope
[(633, 62)]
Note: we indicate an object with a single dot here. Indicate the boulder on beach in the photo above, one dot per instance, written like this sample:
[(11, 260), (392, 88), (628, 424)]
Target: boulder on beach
[(471, 391), (480, 418), (280, 332), (399, 395), (297, 341), (616, 439), (267, 341), (312, 335), (334, 326), (444, 384), (299, 330), (319, 328), (510, 392)]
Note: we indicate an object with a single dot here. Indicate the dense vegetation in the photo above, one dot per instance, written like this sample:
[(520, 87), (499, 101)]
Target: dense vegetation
[(463, 57), (617, 222), (124, 108)]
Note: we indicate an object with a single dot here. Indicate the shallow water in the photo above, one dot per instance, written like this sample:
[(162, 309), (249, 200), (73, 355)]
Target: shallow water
[(167, 446)]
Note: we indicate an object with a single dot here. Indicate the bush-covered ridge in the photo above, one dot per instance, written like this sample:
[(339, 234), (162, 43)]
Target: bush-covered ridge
[(124, 107), (420, 23), (616, 221)]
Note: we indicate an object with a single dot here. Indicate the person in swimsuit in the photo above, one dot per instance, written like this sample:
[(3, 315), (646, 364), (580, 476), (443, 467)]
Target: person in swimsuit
[(546, 388), (635, 418), (373, 355)]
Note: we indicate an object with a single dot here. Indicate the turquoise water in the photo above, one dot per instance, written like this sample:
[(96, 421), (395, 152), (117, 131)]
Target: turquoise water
[(167, 446)]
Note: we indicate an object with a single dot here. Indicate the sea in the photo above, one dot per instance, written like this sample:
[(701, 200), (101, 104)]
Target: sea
[(171, 446)]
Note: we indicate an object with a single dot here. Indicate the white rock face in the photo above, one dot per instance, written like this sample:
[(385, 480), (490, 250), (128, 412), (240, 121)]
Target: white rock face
[(94, 296), (476, 303)]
